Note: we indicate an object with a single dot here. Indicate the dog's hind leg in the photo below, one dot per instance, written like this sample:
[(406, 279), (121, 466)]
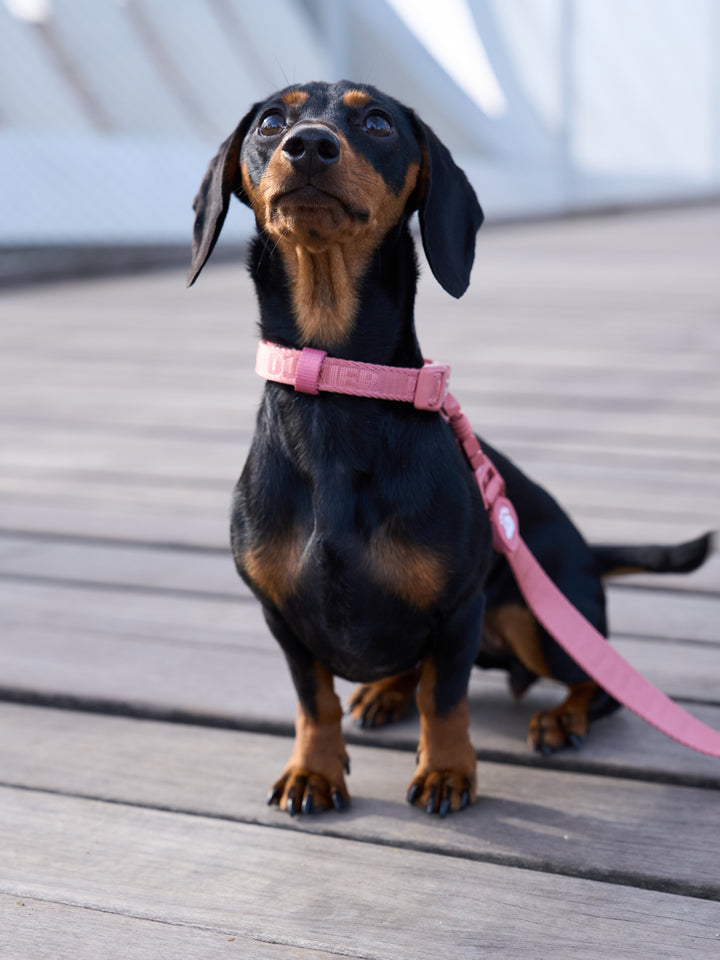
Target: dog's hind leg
[(384, 701), (567, 724)]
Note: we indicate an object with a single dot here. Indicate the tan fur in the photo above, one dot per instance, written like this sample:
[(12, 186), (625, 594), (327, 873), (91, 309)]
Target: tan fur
[(274, 566), (553, 727), (295, 98), (318, 759), (515, 627), (446, 758), (405, 569), (356, 98), (325, 247), (383, 701)]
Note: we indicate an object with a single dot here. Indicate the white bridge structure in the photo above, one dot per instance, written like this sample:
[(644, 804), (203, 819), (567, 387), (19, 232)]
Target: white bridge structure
[(111, 109)]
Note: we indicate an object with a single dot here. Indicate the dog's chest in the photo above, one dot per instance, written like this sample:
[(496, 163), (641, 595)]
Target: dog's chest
[(338, 556)]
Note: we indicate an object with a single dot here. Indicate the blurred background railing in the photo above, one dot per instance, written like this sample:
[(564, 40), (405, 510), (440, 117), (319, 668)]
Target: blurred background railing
[(110, 109)]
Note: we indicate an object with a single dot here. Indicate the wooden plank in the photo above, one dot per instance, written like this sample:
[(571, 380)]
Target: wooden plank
[(677, 616), (578, 473), (140, 508), (60, 659), (133, 566), (215, 661), (39, 930), (584, 493), (595, 827), (324, 893), (236, 619), (44, 617), (55, 444), (651, 613)]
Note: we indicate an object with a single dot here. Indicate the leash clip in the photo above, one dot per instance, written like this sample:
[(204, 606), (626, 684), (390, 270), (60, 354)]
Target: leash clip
[(432, 386)]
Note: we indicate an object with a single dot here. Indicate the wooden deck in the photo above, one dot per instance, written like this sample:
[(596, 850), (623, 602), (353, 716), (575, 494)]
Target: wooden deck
[(145, 710)]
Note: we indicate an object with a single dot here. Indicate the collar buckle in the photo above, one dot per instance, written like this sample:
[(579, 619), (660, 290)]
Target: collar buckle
[(432, 386)]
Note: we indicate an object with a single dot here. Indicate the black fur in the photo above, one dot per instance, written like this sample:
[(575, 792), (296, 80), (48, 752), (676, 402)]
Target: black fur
[(329, 476)]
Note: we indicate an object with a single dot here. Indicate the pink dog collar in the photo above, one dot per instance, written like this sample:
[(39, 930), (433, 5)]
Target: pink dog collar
[(312, 371)]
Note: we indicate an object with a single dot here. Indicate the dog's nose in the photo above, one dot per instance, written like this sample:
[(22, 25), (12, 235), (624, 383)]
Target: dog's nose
[(311, 148)]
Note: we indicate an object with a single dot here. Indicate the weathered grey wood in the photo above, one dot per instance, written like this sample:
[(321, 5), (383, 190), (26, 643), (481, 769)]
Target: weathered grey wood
[(217, 662), (55, 657), (324, 893), (212, 573), (60, 661), (615, 830), (676, 615), (588, 351), (41, 930), (75, 583), (42, 447), (194, 514)]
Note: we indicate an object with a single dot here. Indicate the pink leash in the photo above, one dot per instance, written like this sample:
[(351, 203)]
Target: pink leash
[(311, 371)]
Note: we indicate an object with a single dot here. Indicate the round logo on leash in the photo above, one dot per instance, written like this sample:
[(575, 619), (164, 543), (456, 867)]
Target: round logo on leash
[(506, 534)]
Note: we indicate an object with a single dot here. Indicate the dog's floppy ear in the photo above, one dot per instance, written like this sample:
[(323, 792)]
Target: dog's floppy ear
[(450, 214), (213, 198)]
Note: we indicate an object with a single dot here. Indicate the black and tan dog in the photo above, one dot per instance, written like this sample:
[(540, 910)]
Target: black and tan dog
[(357, 522)]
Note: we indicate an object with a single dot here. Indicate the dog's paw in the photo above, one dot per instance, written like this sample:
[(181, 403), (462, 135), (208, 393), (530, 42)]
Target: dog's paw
[(385, 701), (556, 730), (567, 724), (442, 791), (302, 791)]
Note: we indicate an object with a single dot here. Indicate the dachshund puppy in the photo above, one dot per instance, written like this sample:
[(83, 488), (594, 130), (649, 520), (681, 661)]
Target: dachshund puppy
[(356, 521)]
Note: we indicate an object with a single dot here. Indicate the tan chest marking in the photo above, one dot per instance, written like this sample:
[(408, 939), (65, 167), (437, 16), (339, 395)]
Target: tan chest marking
[(325, 249), (274, 566), (410, 572), (514, 627)]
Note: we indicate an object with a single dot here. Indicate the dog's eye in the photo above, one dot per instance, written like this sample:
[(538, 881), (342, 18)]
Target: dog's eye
[(272, 124), (377, 125)]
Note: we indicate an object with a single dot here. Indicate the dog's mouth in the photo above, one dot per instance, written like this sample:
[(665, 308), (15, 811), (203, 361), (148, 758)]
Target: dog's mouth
[(315, 217), (308, 200)]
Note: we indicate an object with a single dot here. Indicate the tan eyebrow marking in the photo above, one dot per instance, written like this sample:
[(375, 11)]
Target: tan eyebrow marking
[(294, 98), (356, 98)]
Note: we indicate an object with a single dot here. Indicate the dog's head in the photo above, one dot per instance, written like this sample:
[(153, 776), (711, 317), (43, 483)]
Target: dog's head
[(338, 165)]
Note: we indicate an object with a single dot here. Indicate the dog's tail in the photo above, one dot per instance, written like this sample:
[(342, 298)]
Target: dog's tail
[(679, 558)]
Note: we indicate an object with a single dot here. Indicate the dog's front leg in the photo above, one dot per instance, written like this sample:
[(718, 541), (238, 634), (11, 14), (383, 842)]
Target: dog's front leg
[(314, 776), (445, 778)]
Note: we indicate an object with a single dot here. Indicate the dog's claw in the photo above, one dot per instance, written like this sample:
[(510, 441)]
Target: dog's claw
[(339, 801), (307, 804), (413, 793), (575, 740), (291, 809), (273, 796), (447, 794)]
